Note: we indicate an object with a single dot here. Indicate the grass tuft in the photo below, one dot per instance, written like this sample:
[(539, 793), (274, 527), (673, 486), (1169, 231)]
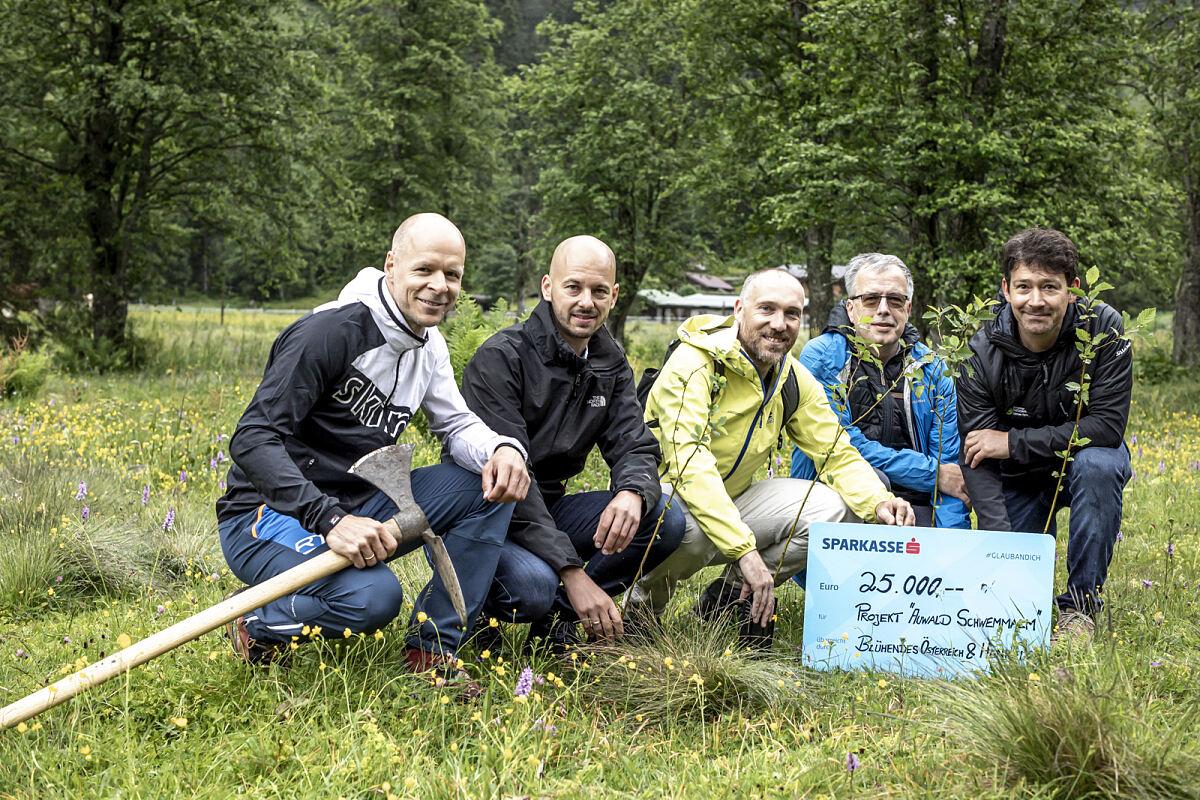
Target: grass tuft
[(1076, 730), (692, 670)]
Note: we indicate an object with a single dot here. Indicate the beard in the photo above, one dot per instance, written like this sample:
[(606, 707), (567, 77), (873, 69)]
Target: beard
[(761, 352)]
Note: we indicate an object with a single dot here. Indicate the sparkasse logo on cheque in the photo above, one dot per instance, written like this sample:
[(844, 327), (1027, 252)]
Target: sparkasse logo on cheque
[(912, 546)]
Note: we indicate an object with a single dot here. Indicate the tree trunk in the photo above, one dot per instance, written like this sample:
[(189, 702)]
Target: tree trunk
[(98, 169), (1186, 329), (818, 250)]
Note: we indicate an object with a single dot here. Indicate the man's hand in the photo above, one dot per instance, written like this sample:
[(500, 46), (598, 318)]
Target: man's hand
[(596, 610), (363, 540), (950, 481), (505, 479), (758, 583), (619, 522), (984, 443), (895, 512)]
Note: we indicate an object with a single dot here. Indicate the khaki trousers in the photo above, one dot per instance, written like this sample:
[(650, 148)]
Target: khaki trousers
[(769, 508)]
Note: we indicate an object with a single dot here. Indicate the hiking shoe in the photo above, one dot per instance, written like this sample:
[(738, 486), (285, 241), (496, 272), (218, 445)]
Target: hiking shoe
[(1073, 625), (560, 637), (641, 625), (719, 599), (486, 636), (751, 635), (251, 650), (442, 671)]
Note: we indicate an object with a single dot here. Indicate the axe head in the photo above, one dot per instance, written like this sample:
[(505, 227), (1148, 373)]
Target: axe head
[(388, 469)]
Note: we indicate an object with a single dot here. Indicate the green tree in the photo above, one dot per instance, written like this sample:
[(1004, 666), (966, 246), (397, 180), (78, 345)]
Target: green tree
[(1168, 74), (614, 131), (431, 91), (134, 114), (958, 123)]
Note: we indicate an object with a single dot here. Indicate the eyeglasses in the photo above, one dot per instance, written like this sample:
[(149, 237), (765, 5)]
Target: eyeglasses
[(896, 302)]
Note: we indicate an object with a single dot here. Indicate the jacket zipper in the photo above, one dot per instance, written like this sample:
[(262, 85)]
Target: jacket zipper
[(757, 414)]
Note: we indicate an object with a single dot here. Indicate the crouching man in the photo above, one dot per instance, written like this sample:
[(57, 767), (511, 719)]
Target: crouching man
[(718, 410), (560, 385), (1017, 413), (339, 383), (894, 399)]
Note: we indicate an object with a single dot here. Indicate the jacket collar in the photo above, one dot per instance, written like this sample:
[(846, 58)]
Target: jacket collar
[(553, 349)]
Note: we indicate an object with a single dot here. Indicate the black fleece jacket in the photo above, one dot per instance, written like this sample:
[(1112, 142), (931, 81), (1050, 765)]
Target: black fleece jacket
[(525, 382), (1025, 393)]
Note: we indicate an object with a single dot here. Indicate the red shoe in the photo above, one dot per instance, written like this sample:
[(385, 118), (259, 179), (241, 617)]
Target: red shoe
[(249, 649), (443, 672)]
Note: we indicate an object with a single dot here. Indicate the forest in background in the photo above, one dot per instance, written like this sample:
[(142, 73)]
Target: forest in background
[(254, 150)]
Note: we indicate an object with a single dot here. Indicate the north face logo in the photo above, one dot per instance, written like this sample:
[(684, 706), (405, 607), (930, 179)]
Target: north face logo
[(597, 401)]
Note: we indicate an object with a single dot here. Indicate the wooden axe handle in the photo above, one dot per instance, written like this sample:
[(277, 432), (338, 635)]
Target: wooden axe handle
[(181, 632)]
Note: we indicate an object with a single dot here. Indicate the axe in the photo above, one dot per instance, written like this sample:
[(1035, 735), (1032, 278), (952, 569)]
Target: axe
[(387, 468)]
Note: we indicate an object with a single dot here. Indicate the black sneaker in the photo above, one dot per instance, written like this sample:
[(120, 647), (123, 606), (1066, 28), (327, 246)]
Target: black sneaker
[(560, 637), (718, 599), (486, 636), (721, 600), (641, 625)]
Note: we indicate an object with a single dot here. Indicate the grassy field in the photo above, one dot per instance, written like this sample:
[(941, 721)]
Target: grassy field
[(107, 487)]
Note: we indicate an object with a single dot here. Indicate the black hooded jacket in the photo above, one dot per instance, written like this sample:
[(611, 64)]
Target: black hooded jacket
[(1026, 394), (525, 382)]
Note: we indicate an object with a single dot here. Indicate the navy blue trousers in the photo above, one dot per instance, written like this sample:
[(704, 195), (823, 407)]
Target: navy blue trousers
[(260, 544), (526, 589)]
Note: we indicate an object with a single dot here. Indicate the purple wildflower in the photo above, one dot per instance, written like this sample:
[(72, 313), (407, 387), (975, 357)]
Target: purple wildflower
[(220, 456), (222, 484), (1120, 536), (85, 513), (1155, 663), (21, 653), (169, 520), (1147, 584), (145, 494), (161, 609), (1134, 440), (212, 464), (851, 762), (82, 493), (1139, 452), (1170, 549), (524, 683), (182, 475), (1162, 467), (66, 640)]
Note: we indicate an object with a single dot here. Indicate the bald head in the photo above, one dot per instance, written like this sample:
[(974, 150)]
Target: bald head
[(581, 287), (579, 250), (425, 230), (424, 269)]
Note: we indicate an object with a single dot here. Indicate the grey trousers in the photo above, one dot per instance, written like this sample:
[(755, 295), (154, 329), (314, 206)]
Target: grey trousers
[(769, 508)]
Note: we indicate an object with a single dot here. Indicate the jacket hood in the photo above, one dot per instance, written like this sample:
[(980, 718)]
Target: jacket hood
[(715, 335), (839, 323), (368, 288)]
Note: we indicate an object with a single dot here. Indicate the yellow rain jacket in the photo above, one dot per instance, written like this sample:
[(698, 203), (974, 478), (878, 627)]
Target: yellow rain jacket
[(713, 458)]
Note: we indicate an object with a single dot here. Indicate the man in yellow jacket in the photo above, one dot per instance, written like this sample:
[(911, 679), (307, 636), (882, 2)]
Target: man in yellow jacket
[(717, 409)]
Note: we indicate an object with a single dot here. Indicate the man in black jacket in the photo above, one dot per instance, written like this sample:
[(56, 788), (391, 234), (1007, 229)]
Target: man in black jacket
[(559, 384), (1017, 415)]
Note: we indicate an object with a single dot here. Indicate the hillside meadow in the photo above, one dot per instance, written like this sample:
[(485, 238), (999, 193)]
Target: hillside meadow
[(107, 485)]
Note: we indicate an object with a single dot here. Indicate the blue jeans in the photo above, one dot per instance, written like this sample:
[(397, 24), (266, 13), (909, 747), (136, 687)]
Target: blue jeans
[(1092, 490), (526, 589), (260, 544)]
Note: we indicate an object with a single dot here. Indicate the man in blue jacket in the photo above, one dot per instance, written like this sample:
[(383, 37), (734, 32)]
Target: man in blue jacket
[(892, 396)]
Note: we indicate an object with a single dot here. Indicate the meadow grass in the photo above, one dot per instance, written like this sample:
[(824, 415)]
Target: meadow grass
[(683, 715)]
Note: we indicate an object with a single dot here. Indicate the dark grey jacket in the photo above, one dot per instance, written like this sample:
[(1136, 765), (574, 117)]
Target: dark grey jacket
[(1026, 394), (525, 382)]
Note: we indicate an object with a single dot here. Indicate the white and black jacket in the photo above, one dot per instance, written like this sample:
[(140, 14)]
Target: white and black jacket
[(340, 382)]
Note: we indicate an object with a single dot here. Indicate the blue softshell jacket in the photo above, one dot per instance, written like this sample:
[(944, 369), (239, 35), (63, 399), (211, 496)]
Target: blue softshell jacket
[(932, 415)]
